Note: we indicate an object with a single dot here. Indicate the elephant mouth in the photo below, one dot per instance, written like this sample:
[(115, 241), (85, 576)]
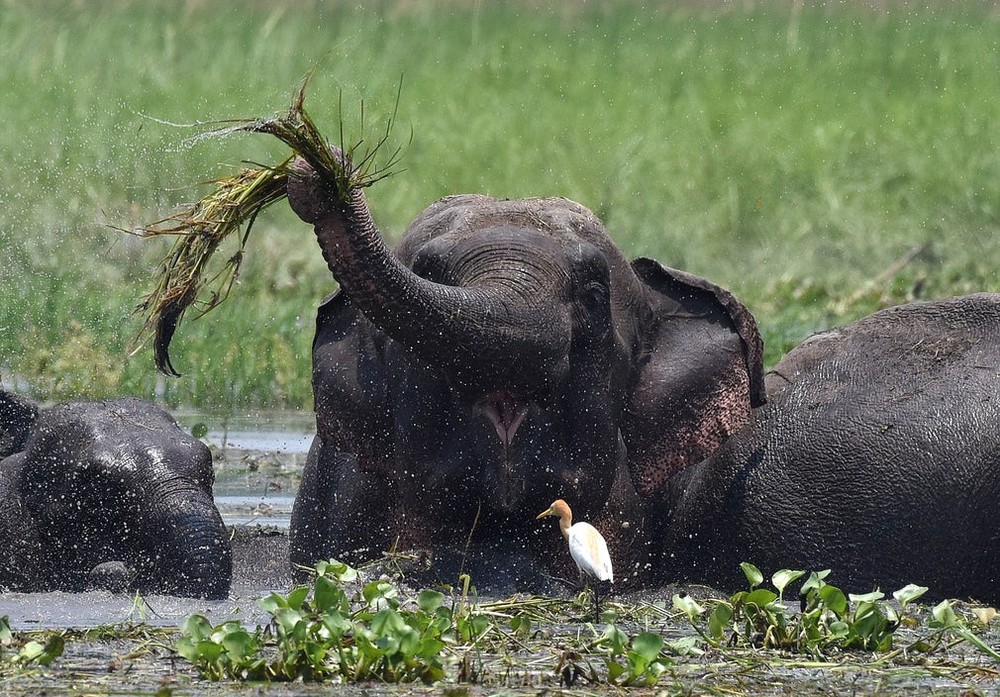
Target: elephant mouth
[(506, 411)]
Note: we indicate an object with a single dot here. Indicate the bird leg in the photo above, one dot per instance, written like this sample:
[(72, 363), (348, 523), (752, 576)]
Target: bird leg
[(564, 581)]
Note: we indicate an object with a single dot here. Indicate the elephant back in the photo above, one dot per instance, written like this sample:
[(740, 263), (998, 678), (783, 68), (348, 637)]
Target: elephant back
[(878, 453)]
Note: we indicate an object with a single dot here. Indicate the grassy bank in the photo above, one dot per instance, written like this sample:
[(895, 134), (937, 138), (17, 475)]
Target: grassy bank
[(790, 157)]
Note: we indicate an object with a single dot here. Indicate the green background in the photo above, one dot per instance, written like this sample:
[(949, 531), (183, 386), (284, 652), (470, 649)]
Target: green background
[(790, 154)]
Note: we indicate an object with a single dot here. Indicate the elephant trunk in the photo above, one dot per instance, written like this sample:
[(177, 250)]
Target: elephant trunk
[(190, 550), (466, 326)]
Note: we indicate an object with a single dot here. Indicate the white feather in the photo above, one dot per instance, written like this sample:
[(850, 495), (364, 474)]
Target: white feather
[(590, 552)]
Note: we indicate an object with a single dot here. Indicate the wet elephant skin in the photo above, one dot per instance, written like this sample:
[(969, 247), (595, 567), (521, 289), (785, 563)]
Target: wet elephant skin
[(111, 488), (877, 456), (504, 354)]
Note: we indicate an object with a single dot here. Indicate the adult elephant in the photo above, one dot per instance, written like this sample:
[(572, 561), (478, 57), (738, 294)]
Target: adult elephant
[(877, 456), (111, 490), (503, 355)]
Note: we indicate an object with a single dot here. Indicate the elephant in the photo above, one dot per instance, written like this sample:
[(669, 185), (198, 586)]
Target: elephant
[(111, 493), (504, 354), (17, 414), (877, 456)]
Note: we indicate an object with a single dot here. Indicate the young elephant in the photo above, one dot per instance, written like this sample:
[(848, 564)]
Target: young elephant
[(111, 488), (504, 355), (877, 456)]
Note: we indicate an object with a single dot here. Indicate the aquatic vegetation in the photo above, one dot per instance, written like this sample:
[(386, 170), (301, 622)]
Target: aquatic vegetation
[(16, 653), (374, 633), (320, 633), (828, 619)]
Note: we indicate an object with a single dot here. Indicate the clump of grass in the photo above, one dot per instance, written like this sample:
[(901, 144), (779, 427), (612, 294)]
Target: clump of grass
[(230, 209)]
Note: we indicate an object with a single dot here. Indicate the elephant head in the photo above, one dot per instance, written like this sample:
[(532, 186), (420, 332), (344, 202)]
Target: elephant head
[(112, 483), (877, 456), (506, 354)]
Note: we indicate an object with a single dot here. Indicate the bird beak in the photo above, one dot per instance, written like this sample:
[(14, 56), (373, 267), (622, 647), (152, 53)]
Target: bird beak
[(547, 511)]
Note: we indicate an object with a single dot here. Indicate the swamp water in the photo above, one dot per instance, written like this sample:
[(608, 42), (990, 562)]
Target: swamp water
[(258, 462)]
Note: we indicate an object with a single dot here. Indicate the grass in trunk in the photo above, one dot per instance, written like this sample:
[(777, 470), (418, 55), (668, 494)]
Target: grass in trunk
[(184, 277)]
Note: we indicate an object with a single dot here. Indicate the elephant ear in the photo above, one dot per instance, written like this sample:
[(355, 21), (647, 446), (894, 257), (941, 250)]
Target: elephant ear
[(17, 419), (699, 374), (349, 383)]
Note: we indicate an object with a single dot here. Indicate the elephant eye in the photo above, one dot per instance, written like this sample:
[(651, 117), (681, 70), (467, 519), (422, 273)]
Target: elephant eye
[(595, 295), (594, 307)]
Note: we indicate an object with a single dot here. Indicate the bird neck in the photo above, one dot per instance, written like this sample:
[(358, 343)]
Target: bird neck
[(564, 524)]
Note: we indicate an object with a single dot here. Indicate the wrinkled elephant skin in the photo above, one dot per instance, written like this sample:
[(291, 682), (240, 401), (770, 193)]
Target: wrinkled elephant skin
[(503, 355), (877, 456), (111, 490)]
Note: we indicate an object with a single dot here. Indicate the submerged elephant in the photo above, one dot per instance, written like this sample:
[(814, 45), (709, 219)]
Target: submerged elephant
[(504, 355), (111, 488), (877, 456)]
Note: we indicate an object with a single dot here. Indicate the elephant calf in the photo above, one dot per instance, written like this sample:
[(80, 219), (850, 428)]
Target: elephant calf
[(111, 488), (877, 456)]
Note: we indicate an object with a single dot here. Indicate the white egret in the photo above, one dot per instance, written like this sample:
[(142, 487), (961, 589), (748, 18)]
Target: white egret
[(586, 546)]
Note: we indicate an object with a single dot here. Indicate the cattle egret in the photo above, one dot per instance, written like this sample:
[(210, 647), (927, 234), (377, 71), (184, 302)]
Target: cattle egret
[(586, 546)]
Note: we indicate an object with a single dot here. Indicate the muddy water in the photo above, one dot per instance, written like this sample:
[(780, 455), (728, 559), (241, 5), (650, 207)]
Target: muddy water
[(258, 461)]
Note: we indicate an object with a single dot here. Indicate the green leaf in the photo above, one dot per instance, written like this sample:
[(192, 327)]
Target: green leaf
[(867, 597), (196, 627), (782, 578), (239, 643), (839, 629), (909, 593), (834, 599), (686, 646), (753, 574), (387, 622), (209, 651), (30, 651), (297, 596), (379, 590), (944, 615), (687, 605), (760, 597), (287, 619), (430, 649), (272, 602), (815, 581), (429, 601), (653, 673), (718, 622), (648, 645), (339, 570), (327, 595), (52, 650), (615, 671), (199, 430), (6, 636), (615, 639), (337, 624)]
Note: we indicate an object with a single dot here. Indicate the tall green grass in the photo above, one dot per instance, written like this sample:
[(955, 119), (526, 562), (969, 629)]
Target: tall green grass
[(789, 157)]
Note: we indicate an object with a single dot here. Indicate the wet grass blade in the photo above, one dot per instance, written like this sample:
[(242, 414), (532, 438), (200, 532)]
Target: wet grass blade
[(183, 279)]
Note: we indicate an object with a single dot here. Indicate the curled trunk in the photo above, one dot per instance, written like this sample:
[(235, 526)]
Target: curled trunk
[(464, 326)]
